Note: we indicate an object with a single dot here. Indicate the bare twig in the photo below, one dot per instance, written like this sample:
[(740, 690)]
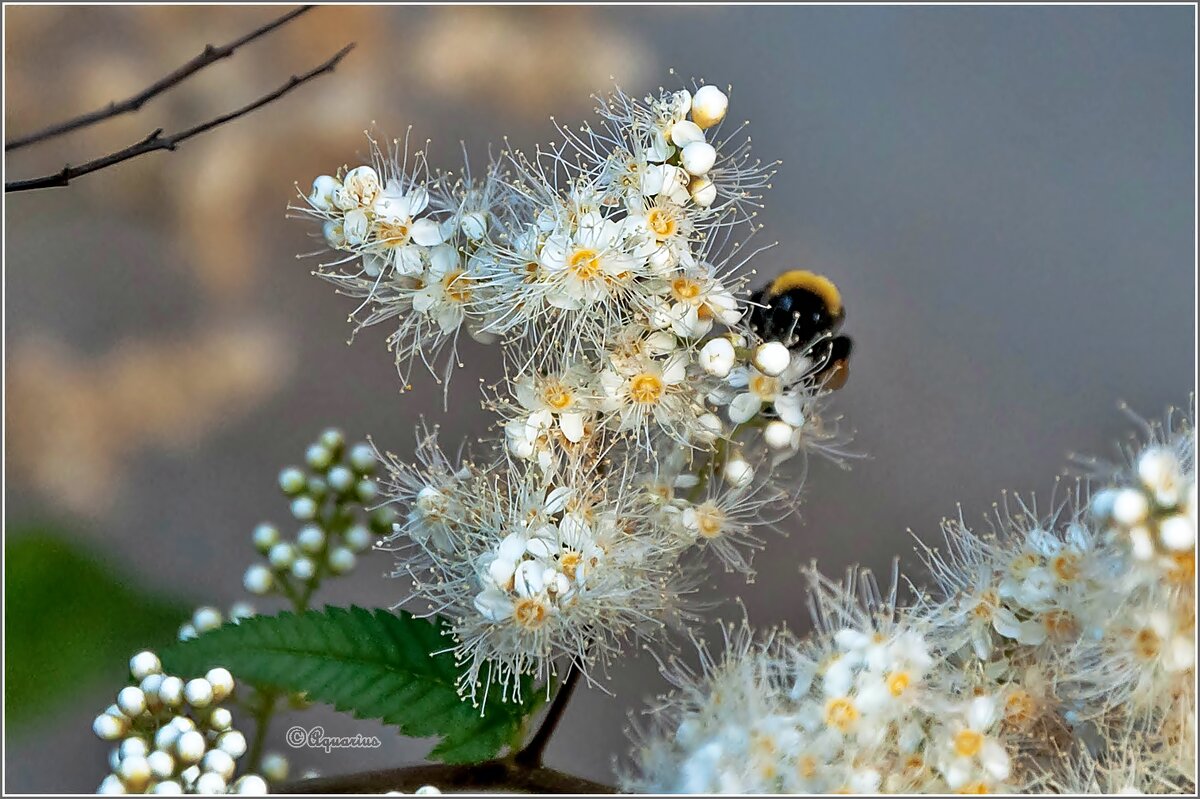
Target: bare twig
[(531, 755), (490, 776), (209, 55), (156, 141)]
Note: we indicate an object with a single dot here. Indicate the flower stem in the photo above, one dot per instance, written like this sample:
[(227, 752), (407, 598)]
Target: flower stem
[(531, 755)]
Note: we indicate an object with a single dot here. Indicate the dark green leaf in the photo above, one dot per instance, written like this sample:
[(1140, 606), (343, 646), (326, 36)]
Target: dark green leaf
[(374, 665), (72, 622)]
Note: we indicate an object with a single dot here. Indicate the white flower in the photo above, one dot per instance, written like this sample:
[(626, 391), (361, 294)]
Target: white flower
[(584, 265), (696, 301), (400, 237), (566, 398), (717, 357), (761, 390), (447, 288)]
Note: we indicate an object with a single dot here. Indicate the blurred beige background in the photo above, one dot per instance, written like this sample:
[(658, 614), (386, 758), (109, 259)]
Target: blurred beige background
[(1005, 196)]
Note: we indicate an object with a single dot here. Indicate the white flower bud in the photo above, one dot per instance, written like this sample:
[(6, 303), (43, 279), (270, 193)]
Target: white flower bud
[(150, 685), (1157, 467), (265, 536), (717, 357), (219, 718), (109, 727), (311, 538), (427, 790), (198, 692), (210, 782), (738, 473), (358, 538), (162, 765), (240, 610), (132, 701), (206, 618), (323, 189), (474, 225), (772, 358), (233, 743), (143, 664), (698, 157), (1141, 542), (318, 456), (168, 788), (341, 479), (303, 569), (166, 737), (291, 480), (252, 785), (703, 191), (171, 691), (709, 106), (778, 434), (182, 723), (362, 458), (221, 681), (685, 132), (282, 555), (217, 762), (189, 775), (304, 508), (134, 772), (275, 767), (335, 233), (341, 560), (258, 579), (1102, 504), (366, 490), (111, 784), (1177, 533), (187, 632), (190, 746), (1130, 507)]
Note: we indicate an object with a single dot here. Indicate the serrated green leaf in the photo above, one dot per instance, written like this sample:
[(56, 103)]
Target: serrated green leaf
[(373, 665), (72, 621)]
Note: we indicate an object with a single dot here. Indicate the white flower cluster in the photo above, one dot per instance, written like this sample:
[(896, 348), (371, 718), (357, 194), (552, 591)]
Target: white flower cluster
[(642, 413), (175, 737), (864, 704), (328, 503), (1055, 653)]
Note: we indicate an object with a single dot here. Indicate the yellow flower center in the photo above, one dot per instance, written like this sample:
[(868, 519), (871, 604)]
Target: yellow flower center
[(967, 743), (392, 233), (807, 766), (1183, 568), (898, 682), (975, 787), (584, 264), (1066, 567), (1147, 644), (841, 713), (710, 520), (662, 223), (569, 562), (685, 289), (646, 388), (1019, 708), (763, 386), (1059, 624), (457, 287), (556, 395), (987, 602), (529, 613)]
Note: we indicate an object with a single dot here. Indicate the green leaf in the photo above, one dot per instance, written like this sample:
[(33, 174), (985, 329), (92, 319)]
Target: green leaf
[(72, 623), (374, 665)]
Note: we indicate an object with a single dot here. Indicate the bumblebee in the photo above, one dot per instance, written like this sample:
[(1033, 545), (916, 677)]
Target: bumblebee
[(803, 311)]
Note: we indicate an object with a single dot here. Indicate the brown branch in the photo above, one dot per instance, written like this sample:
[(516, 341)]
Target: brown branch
[(493, 775), (156, 141), (531, 755), (208, 56)]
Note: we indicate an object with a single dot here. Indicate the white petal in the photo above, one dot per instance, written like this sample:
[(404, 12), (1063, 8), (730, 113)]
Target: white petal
[(744, 408), (512, 547), (571, 425), (494, 606), (426, 232)]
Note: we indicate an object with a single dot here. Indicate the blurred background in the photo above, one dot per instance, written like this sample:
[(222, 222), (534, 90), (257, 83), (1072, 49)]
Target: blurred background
[(1004, 195)]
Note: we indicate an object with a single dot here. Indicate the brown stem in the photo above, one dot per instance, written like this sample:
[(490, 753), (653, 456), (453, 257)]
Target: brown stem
[(493, 775), (206, 57), (156, 141), (531, 755)]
